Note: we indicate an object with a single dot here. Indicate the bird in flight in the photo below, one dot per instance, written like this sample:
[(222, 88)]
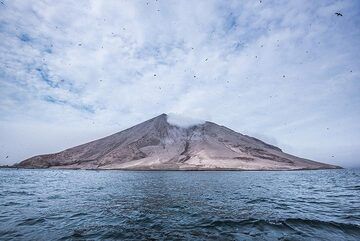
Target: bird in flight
[(339, 14)]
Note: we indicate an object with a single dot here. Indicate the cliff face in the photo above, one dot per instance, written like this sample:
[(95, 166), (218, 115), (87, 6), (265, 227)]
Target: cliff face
[(157, 145)]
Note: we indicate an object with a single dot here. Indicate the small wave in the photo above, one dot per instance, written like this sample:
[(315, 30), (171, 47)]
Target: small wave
[(354, 188), (78, 233), (78, 215), (31, 221), (293, 221), (292, 226), (11, 204), (56, 196), (9, 234), (319, 223), (257, 200), (20, 193), (340, 195)]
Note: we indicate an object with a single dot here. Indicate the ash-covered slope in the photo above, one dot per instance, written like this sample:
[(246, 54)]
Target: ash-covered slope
[(156, 144)]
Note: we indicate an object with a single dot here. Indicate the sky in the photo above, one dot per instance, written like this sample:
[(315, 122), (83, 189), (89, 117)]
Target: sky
[(286, 72)]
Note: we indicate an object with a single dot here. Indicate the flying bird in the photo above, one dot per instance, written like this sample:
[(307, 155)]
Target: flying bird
[(339, 14)]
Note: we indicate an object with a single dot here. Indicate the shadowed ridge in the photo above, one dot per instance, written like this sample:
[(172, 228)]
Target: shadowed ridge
[(100, 147), (250, 139)]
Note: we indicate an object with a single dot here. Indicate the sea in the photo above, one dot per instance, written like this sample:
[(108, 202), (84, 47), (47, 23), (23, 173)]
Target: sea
[(179, 205)]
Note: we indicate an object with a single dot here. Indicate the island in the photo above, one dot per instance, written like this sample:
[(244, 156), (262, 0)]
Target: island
[(157, 144)]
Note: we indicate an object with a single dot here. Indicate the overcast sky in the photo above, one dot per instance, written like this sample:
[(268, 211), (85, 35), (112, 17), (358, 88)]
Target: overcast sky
[(286, 72)]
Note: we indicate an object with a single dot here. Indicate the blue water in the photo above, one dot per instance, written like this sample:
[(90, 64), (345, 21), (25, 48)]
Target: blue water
[(135, 205)]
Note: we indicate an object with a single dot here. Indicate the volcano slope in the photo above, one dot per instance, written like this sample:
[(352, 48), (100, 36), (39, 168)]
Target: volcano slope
[(158, 145)]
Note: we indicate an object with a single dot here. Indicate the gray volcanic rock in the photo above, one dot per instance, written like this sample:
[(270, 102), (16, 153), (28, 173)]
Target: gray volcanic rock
[(157, 145)]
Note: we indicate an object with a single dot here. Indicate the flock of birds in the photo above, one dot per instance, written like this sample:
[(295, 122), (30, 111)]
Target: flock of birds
[(337, 14), (80, 44)]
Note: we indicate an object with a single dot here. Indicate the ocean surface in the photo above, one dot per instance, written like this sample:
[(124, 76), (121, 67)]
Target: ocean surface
[(154, 205)]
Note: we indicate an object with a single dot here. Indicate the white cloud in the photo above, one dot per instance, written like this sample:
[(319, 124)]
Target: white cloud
[(112, 64), (182, 120)]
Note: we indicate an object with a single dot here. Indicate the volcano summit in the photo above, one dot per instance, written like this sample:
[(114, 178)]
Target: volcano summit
[(156, 144)]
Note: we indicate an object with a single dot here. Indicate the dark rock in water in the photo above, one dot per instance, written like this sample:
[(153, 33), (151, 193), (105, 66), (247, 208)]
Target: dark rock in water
[(158, 145)]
